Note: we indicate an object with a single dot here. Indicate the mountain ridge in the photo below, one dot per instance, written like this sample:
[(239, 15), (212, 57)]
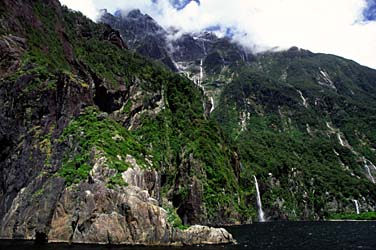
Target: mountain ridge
[(100, 144), (81, 153), (302, 95)]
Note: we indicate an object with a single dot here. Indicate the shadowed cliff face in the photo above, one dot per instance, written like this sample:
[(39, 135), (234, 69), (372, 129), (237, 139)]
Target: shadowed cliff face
[(88, 130)]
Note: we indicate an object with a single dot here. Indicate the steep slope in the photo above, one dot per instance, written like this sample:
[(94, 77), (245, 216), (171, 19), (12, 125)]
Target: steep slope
[(100, 145), (206, 59), (142, 34), (304, 124)]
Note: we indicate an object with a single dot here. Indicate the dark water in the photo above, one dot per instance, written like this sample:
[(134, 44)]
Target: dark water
[(279, 235)]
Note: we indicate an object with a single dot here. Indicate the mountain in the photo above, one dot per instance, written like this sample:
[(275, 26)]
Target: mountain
[(99, 144), (303, 123), (209, 61), (124, 132)]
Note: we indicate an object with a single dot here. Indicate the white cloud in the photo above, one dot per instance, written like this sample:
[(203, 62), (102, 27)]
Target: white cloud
[(87, 7), (327, 26)]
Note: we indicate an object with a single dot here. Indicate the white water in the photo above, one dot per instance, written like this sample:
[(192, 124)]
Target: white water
[(367, 165), (201, 72), (330, 127), (212, 104), (259, 204), (338, 132), (176, 65), (340, 140), (371, 164), (327, 80), (357, 206), (204, 47), (305, 104), (308, 129)]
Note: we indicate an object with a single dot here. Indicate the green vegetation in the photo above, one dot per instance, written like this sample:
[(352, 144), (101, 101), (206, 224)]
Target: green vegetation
[(287, 144), (38, 193), (349, 216), (260, 116), (116, 180), (46, 46), (90, 133), (174, 219), (181, 132)]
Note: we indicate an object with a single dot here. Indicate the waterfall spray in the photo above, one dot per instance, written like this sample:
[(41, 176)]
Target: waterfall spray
[(259, 204)]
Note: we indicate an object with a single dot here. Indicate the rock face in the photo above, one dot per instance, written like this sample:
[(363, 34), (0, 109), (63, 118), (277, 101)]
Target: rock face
[(56, 66), (143, 34), (11, 49), (93, 213), (272, 104), (196, 235), (183, 54)]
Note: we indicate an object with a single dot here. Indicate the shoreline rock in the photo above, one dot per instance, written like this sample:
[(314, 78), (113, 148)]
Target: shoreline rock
[(125, 215)]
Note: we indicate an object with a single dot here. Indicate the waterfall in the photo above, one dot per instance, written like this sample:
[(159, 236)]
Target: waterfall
[(367, 164), (212, 104), (340, 140), (176, 65), (308, 128), (371, 164), (204, 47), (305, 104), (259, 204), (330, 127), (356, 206), (201, 72)]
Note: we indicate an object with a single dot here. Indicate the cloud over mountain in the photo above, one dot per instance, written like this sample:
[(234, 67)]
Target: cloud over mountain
[(342, 27)]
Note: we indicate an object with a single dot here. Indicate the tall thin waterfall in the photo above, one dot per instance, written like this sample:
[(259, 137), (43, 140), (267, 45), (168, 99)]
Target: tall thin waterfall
[(368, 165), (201, 72), (259, 204), (340, 140), (357, 206), (212, 103), (305, 104)]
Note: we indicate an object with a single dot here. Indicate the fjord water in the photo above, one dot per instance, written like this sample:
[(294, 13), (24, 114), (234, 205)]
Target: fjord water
[(269, 235)]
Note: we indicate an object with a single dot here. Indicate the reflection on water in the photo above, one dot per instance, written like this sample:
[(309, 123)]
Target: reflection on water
[(272, 235)]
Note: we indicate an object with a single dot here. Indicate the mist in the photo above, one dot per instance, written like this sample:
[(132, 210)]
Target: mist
[(336, 26)]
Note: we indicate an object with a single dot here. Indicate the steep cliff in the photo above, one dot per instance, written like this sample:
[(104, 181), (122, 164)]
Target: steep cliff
[(99, 144), (303, 123)]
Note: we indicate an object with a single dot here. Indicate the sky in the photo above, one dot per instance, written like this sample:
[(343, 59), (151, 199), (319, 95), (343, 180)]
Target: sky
[(342, 27)]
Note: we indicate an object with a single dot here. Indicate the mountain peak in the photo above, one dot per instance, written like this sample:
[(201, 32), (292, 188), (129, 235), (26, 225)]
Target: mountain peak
[(135, 13)]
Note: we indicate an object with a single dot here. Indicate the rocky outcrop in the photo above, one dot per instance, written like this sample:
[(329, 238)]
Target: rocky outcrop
[(93, 213), (114, 37), (196, 235), (11, 50), (143, 34), (47, 191)]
